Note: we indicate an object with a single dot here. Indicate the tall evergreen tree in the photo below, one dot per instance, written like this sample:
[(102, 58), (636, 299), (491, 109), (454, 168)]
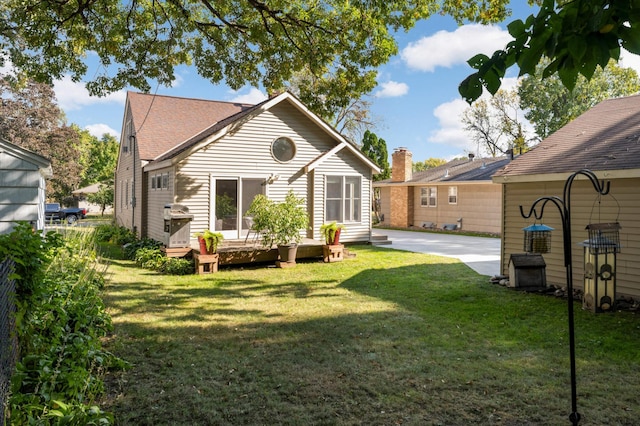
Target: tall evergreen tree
[(376, 149)]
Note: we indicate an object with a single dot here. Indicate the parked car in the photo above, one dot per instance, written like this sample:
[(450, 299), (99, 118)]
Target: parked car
[(54, 213)]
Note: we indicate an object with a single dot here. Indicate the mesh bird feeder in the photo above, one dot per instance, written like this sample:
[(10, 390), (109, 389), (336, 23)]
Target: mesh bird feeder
[(537, 238)]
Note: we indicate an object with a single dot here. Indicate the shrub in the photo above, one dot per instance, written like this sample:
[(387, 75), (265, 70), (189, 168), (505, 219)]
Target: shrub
[(177, 266), (60, 324), (148, 257), (115, 234), (131, 249)]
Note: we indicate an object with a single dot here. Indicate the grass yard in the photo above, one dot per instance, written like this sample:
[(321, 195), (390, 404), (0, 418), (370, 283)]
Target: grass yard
[(387, 338)]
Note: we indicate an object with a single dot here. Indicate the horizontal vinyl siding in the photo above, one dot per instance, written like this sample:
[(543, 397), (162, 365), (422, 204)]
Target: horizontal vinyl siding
[(479, 206), (156, 200), (385, 204), (345, 164), (19, 189), (585, 209), (246, 152), (124, 172)]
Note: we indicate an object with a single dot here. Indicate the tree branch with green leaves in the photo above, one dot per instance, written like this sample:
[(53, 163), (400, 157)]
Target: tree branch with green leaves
[(575, 36)]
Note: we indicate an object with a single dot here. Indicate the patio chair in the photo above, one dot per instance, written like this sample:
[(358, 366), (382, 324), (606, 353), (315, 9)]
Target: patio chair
[(248, 220)]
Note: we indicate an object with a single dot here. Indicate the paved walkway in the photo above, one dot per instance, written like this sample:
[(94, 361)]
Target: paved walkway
[(479, 253)]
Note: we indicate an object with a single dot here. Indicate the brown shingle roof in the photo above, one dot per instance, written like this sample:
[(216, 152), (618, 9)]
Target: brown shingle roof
[(163, 122), (607, 137), (457, 171)]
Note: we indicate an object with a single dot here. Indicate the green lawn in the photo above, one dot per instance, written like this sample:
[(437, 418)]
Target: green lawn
[(386, 338)]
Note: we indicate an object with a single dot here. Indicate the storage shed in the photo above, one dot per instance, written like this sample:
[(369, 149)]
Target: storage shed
[(22, 186)]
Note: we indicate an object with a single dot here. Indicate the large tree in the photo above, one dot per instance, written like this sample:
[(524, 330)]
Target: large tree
[(236, 42), (30, 118), (351, 119), (549, 105), (376, 149), (430, 163), (99, 159), (496, 124), (574, 35)]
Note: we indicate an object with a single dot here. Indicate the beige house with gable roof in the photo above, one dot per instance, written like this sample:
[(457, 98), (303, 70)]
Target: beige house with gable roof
[(605, 140), (457, 195), (208, 154)]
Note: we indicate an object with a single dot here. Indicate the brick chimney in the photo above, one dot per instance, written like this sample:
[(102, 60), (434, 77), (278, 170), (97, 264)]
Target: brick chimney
[(401, 207), (401, 165)]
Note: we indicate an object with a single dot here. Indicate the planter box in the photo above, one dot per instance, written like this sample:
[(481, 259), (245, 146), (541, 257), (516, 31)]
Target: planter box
[(333, 253), (206, 263)]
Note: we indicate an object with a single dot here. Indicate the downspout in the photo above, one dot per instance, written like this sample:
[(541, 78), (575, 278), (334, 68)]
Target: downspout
[(132, 139)]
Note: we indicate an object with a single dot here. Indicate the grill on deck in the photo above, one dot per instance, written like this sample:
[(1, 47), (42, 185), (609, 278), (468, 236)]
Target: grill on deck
[(177, 226)]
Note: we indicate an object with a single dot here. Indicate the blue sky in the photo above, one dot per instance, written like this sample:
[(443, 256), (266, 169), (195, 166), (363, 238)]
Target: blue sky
[(415, 105)]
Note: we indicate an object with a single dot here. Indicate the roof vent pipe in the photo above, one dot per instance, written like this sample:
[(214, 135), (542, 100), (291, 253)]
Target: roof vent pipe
[(471, 157)]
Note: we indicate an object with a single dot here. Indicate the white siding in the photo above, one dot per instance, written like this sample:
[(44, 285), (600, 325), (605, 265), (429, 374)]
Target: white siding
[(129, 212), (344, 164), (246, 152), (156, 200), (19, 192)]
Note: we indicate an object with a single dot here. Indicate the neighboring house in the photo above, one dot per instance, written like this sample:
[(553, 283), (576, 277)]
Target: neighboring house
[(22, 185), (215, 157), (456, 195), (82, 193), (605, 140)]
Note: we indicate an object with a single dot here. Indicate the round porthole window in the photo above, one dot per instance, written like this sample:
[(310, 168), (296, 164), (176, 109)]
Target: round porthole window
[(283, 149)]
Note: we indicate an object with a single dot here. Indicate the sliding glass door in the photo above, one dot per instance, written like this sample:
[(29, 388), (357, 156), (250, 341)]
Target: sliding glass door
[(233, 196)]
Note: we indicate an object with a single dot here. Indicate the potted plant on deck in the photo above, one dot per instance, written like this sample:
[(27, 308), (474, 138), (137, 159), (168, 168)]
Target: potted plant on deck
[(207, 259), (332, 251), (331, 232), (280, 224)]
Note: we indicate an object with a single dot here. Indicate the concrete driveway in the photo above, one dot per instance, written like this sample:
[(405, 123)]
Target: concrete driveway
[(479, 253)]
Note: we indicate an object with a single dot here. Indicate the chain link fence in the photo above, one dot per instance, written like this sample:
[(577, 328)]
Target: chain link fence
[(8, 341)]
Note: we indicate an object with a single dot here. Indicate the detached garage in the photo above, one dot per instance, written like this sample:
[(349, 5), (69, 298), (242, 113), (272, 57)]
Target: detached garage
[(22, 186)]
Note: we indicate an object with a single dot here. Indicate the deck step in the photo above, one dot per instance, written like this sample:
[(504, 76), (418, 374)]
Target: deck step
[(379, 240)]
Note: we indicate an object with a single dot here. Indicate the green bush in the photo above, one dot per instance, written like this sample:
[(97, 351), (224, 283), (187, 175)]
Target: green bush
[(31, 252), (60, 323), (177, 266), (131, 249), (115, 234), (153, 258), (148, 257)]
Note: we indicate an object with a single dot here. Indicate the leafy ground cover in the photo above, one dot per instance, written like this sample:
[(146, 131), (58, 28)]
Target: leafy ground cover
[(387, 338)]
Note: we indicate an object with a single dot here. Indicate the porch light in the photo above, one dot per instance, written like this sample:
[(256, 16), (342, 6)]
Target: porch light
[(600, 252), (537, 238)]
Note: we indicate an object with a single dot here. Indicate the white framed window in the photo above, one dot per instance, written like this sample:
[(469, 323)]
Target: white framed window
[(126, 194), (343, 198), (283, 149), (453, 195), (433, 196), (429, 196), (160, 181), (126, 143), (122, 186)]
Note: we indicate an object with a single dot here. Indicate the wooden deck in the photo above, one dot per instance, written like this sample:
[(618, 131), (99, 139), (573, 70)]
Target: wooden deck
[(237, 252)]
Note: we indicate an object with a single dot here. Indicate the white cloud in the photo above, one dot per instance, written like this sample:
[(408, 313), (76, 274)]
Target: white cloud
[(98, 130), (629, 60), (445, 48), (451, 131), (392, 89), (254, 96), (73, 96)]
